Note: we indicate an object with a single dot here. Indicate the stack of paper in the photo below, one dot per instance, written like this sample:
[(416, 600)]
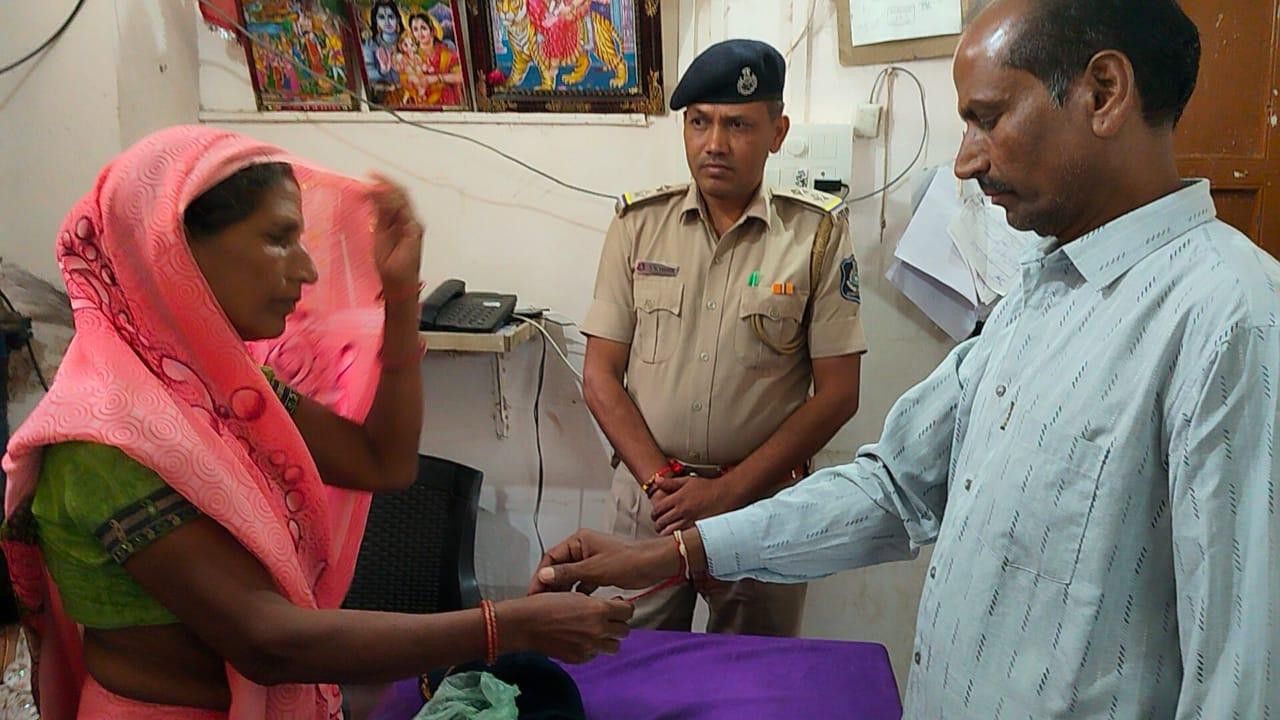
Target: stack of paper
[(957, 256), (990, 246)]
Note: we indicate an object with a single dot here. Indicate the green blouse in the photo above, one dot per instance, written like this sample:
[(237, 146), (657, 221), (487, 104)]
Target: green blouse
[(94, 508)]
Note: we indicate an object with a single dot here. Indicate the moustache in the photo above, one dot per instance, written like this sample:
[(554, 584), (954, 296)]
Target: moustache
[(991, 186)]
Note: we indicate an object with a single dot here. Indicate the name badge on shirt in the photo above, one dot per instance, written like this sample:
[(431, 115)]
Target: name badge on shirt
[(649, 267)]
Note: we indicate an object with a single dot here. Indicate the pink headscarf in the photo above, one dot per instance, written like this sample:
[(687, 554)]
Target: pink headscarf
[(157, 370)]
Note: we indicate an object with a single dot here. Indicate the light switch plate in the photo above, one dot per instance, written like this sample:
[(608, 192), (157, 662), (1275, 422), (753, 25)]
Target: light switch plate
[(812, 152)]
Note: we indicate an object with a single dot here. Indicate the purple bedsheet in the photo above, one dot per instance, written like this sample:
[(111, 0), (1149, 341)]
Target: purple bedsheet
[(686, 676)]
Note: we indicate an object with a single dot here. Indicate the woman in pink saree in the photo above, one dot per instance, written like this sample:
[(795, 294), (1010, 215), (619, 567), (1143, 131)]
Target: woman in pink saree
[(184, 508)]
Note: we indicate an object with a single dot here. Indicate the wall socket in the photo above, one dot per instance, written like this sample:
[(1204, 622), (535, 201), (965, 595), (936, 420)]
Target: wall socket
[(866, 122), (812, 153)]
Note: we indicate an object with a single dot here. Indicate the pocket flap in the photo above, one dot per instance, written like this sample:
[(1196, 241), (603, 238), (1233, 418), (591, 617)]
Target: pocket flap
[(654, 294)]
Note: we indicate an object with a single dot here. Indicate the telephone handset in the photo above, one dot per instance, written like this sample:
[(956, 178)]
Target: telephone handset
[(450, 308)]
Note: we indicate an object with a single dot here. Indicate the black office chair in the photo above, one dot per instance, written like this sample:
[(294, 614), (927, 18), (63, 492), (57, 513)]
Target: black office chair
[(418, 554)]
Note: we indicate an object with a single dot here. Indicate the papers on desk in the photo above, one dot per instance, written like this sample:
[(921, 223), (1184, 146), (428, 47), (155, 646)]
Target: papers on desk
[(957, 256), (880, 21)]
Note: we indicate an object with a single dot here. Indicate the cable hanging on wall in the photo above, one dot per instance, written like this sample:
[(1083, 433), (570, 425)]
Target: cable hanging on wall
[(52, 39), (885, 78), (247, 34)]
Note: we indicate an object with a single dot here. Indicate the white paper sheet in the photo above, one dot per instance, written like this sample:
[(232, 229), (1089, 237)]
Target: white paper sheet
[(930, 270), (947, 309), (989, 245), (879, 21), (927, 245)]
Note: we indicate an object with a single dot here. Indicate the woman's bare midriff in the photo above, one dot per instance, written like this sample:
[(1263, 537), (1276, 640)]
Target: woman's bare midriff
[(162, 664)]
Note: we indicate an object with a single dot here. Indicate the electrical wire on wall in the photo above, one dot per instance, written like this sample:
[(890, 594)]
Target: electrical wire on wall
[(52, 39), (30, 350), (885, 78), (804, 33), (547, 337), (537, 437), (264, 47), (537, 415)]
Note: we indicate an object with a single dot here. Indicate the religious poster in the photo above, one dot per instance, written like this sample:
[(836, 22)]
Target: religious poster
[(412, 53), (567, 55), (302, 58)]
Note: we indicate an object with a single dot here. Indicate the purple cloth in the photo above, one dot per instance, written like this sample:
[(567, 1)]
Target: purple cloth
[(686, 676)]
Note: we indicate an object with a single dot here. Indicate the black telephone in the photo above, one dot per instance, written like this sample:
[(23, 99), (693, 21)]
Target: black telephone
[(450, 308)]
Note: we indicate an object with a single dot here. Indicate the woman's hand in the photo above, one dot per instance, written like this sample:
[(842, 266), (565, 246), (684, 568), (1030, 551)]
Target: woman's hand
[(397, 244), (566, 626)]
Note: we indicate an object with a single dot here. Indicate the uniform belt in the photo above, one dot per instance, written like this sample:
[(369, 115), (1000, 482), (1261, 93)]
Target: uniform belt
[(714, 471)]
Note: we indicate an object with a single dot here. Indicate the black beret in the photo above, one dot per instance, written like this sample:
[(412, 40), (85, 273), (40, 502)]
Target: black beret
[(732, 72)]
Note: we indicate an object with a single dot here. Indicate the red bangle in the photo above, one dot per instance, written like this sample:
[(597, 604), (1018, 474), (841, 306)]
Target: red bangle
[(490, 632)]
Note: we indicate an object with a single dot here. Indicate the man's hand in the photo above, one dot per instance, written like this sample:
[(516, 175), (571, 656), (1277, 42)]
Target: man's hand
[(588, 560), (681, 501)]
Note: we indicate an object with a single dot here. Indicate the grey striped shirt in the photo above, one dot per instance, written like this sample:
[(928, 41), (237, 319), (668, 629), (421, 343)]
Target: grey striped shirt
[(1098, 471)]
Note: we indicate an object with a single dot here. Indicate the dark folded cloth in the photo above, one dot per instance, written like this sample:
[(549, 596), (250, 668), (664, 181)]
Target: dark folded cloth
[(546, 690)]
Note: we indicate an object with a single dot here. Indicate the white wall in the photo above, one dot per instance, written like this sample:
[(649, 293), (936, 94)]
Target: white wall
[(492, 224), (122, 69)]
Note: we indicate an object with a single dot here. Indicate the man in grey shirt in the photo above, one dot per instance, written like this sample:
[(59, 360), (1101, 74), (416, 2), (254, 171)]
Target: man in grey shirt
[(1098, 467)]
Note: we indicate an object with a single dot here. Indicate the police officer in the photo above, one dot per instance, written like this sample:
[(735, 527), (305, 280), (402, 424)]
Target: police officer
[(717, 306)]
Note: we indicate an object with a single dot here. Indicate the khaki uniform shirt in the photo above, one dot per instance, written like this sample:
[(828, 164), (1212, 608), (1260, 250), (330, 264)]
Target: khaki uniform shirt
[(710, 391)]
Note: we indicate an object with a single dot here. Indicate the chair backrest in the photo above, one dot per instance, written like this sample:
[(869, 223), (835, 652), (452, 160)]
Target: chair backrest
[(418, 553)]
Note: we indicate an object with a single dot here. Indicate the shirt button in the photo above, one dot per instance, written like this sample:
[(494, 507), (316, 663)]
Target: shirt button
[(695, 455), (916, 657), (773, 313), (1000, 390), (711, 305), (968, 483), (704, 357), (697, 406), (648, 304), (933, 572)]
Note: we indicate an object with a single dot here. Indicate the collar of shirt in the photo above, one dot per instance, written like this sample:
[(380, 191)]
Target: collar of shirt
[(1105, 254), (759, 207)]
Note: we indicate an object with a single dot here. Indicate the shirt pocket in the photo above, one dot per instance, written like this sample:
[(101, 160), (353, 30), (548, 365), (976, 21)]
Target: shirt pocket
[(778, 318), (1045, 497), (658, 302)]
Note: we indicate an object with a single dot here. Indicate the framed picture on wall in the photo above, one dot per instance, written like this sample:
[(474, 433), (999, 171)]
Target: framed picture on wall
[(567, 55), (412, 53), (300, 34)]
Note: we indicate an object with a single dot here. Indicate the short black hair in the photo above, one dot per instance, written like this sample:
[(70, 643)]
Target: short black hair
[(1060, 37), (233, 199), (776, 108)]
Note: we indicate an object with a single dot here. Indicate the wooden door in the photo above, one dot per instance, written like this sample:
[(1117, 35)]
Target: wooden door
[(1229, 133)]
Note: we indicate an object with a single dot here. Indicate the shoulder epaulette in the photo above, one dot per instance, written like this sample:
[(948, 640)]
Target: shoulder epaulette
[(629, 200), (820, 201)]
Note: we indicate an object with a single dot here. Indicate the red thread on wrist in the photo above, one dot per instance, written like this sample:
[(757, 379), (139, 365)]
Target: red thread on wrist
[(670, 582)]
